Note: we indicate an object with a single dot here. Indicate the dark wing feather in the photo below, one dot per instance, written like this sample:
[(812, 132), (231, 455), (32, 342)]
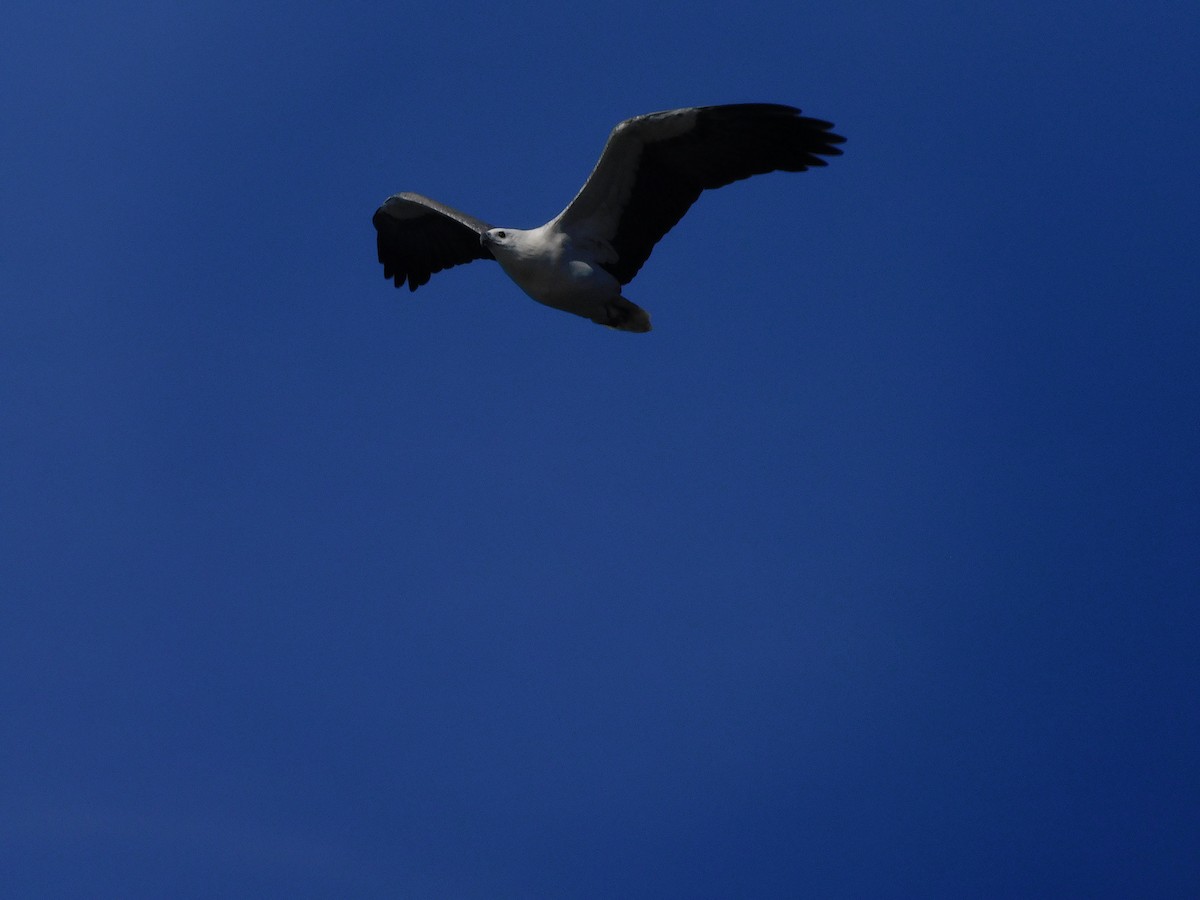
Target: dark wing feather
[(654, 167), (417, 236)]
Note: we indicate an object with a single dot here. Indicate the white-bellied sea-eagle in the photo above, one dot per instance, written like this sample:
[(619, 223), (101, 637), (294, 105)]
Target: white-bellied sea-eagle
[(652, 169)]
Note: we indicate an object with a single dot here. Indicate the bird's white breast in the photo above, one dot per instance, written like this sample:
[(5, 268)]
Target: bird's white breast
[(552, 269)]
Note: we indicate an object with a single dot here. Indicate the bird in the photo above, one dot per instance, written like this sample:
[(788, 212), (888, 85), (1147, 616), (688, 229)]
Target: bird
[(652, 169)]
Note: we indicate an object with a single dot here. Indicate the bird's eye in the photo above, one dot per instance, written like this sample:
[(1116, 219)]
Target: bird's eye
[(501, 235)]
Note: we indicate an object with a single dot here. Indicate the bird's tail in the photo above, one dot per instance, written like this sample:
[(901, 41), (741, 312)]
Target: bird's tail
[(623, 315)]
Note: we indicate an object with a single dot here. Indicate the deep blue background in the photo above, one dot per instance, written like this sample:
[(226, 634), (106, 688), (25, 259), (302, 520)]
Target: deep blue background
[(871, 572)]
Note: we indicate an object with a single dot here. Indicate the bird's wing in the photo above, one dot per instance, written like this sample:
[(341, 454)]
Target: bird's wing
[(417, 236), (654, 167)]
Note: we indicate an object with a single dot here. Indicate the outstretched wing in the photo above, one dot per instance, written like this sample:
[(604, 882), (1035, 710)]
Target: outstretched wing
[(417, 236), (654, 167)]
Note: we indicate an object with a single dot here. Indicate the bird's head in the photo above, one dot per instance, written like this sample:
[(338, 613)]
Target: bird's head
[(512, 246), (495, 238)]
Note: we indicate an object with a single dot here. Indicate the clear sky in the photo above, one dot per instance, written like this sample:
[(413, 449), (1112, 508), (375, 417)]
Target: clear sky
[(872, 571)]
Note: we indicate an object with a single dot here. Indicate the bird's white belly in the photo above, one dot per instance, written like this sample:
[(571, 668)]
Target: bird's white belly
[(573, 285)]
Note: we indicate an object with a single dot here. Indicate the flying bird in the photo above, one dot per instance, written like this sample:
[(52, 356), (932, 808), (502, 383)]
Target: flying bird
[(652, 169)]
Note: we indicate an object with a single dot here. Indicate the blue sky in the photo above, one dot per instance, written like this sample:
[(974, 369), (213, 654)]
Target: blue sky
[(871, 572)]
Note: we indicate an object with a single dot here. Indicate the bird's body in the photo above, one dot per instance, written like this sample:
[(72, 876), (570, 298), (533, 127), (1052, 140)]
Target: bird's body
[(558, 270), (652, 169)]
